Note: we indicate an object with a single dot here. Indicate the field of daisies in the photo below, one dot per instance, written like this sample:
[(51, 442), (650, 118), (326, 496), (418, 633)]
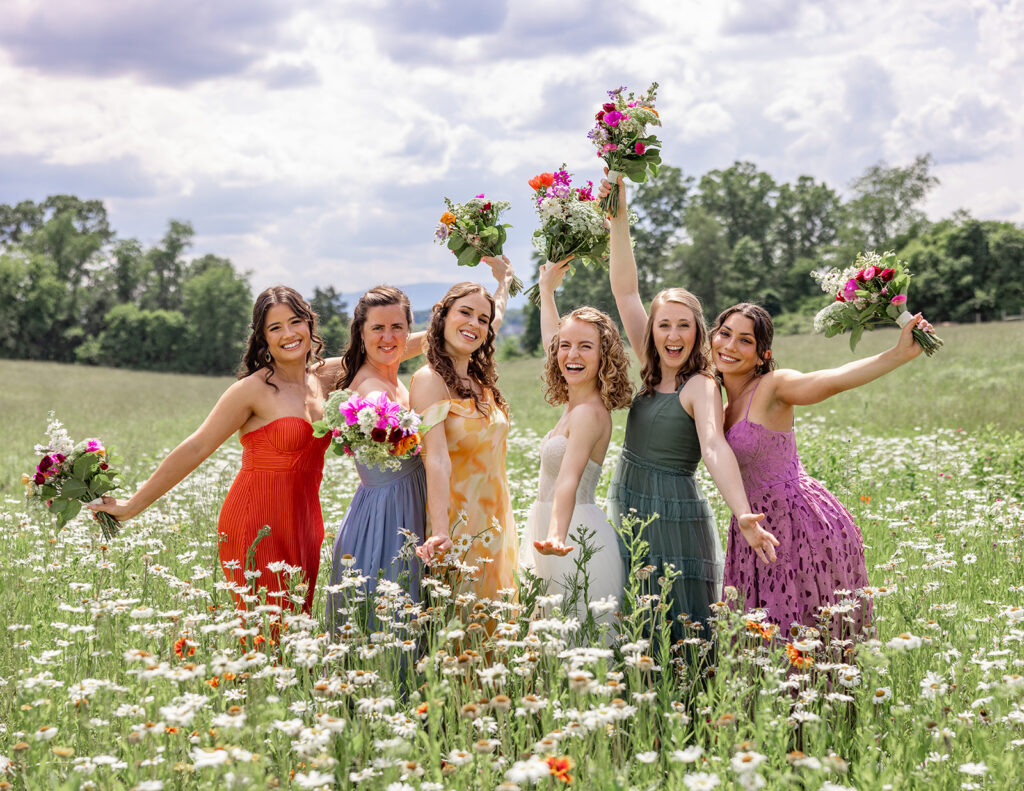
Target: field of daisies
[(123, 664)]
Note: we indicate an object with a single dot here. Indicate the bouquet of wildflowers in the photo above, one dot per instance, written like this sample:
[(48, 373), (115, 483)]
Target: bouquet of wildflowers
[(70, 474), (377, 432), (620, 136), (471, 230), (872, 292), (572, 225)]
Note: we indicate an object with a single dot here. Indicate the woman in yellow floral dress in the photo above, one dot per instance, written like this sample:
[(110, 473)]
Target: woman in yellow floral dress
[(469, 511)]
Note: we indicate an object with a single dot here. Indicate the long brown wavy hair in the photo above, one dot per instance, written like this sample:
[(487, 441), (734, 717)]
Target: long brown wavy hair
[(612, 377), (354, 356), (696, 363), (764, 333), (254, 359), (481, 362)]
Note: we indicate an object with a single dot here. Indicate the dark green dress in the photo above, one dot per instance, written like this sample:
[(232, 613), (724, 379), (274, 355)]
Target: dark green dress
[(655, 476)]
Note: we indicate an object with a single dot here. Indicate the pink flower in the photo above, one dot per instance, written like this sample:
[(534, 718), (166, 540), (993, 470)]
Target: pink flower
[(899, 299), (387, 411), (93, 446), (479, 196), (607, 147), (639, 148), (869, 273), (613, 118), (350, 409), (850, 289)]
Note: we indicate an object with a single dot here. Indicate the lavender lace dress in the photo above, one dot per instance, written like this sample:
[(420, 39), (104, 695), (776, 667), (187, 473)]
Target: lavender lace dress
[(820, 548)]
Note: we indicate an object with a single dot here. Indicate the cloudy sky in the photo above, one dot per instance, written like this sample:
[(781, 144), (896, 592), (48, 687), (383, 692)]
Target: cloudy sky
[(311, 141)]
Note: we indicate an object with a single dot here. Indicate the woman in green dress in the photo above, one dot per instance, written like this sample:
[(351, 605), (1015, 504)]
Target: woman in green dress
[(675, 420)]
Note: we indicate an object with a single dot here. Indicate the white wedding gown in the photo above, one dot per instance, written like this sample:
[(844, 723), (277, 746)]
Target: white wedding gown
[(604, 573)]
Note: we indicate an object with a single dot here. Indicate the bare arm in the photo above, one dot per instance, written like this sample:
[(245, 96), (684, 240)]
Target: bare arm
[(622, 272), (229, 414), (799, 389), (501, 267), (551, 276), (586, 428), (415, 345), (426, 390), (702, 397)]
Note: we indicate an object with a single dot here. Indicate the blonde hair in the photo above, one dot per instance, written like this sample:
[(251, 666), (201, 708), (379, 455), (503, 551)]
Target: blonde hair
[(696, 363), (613, 376)]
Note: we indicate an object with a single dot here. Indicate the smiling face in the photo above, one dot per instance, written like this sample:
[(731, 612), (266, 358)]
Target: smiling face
[(674, 332), (287, 334), (579, 352), (734, 346), (467, 323), (385, 334)]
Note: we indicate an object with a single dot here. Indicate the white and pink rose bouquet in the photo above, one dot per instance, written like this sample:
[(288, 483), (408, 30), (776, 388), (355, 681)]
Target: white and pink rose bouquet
[(621, 139), (70, 474), (377, 432), (571, 222), (871, 293)]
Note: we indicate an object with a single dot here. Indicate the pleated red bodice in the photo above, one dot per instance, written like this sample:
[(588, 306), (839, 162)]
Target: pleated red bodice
[(278, 486)]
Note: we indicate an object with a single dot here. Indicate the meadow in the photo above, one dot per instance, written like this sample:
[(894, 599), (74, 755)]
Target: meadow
[(124, 665)]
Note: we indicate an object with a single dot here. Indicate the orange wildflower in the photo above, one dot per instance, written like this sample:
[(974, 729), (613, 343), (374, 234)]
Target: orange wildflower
[(214, 682), (765, 630), (798, 658), (560, 766), (448, 219), (182, 647), (406, 444)]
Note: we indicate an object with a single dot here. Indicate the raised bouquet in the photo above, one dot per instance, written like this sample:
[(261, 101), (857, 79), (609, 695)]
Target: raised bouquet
[(377, 432), (70, 474), (871, 293), (472, 230), (571, 222), (620, 136)]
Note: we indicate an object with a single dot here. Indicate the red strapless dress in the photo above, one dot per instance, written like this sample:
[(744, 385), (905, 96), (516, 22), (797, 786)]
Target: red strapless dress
[(278, 486)]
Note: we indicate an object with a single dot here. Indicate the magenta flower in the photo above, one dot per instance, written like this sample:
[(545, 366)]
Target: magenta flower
[(350, 409), (850, 289), (387, 410), (899, 299), (479, 196), (606, 148), (94, 445), (613, 118), (639, 148), (561, 177), (869, 273)]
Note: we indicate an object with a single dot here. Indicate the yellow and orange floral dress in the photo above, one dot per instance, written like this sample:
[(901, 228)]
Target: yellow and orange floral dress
[(479, 489)]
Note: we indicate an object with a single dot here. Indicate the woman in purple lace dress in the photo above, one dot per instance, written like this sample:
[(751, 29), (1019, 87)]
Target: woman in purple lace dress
[(820, 548)]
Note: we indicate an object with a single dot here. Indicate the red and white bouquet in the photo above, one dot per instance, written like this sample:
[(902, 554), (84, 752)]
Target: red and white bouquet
[(621, 139), (70, 474), (472, 230), (572, 224), (871, 293), (377, 432)]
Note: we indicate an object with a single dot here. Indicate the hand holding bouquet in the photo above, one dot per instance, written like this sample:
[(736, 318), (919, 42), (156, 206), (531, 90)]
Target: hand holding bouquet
[(71, 474), (472, 231), (572, 225), (620, 136), (377, 432), (872, 292)]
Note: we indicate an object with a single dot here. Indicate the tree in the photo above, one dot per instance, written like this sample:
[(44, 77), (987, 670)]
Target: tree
[(742, 200), (217, 303), (886, 204), (334, 320), (165, 268), (660, 205)]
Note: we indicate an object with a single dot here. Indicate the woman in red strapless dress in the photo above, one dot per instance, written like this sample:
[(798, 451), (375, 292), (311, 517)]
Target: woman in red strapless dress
[(281, 386)]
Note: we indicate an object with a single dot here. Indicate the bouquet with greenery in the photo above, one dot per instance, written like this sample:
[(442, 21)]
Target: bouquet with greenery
[(871, 293), (472, 230), (620, 136), (572, 225), (70, 474), (377, 432)]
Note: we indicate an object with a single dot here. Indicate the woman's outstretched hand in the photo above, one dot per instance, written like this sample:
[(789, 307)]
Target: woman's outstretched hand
[(906, 347), (119, 509), (500, 266), (434, 547), (551, 275), (761, 541), (605, 189), (552, 545)]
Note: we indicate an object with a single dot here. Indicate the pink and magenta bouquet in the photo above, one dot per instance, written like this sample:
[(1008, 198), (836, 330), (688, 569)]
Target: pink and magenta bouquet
[(472, 230), (871, 293), (621, 139), (571, 222), (377, 432), (70, 474)]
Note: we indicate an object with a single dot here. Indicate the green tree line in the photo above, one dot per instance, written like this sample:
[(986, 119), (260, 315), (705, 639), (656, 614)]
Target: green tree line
[(738, 235), (71, 291)]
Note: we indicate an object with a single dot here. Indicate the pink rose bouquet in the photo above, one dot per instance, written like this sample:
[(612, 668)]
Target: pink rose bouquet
[(69, 474), (621, 139), (871, 293)]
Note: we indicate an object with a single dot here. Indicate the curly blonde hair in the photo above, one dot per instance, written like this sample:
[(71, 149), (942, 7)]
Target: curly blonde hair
[(697, 362), (613, 376), (481, 363)]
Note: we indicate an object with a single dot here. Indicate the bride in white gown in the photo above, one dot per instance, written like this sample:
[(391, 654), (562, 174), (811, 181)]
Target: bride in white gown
[(588, 371)]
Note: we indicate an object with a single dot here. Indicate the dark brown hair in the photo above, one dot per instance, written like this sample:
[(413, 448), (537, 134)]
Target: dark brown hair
[(354, 356), (613, 376), (481, 362), (255, 356), (696, 363), (764, 332)]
